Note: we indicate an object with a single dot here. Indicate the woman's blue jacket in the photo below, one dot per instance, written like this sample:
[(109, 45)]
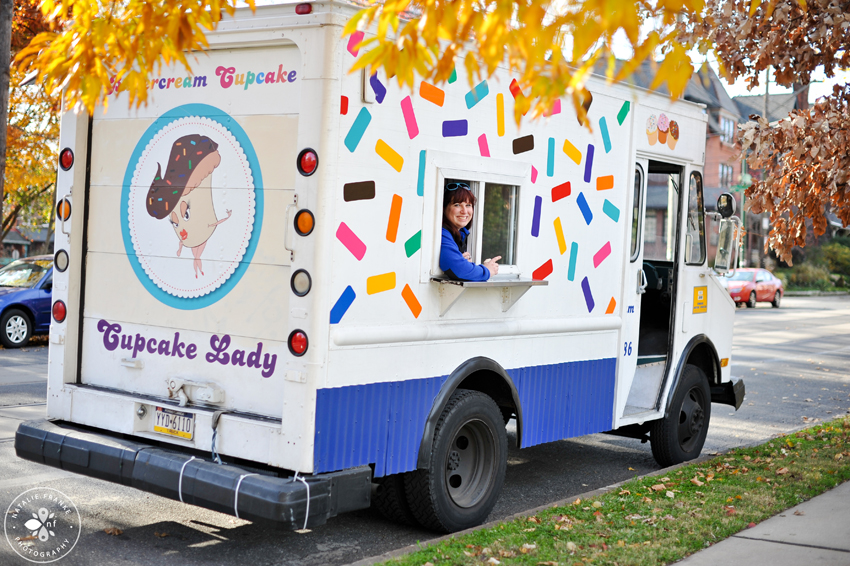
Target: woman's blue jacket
[(454, 264)]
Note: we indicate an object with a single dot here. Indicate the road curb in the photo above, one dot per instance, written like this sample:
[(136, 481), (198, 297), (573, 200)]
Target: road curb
[(816, 293), (562, 502)]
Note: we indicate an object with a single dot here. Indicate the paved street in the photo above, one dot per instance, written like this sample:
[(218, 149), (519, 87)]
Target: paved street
[(795, 362)]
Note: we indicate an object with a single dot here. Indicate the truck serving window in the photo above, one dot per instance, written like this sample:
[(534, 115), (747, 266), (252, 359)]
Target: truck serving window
[(695, 235), (500, 222), (662, 199)]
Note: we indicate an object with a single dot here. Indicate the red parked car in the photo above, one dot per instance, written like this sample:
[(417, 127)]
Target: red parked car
[(750, 285)]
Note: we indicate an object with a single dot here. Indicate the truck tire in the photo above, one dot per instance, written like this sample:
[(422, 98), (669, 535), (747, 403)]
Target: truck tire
[(391, 501), (466, 468), (15, 328), (680, 435)]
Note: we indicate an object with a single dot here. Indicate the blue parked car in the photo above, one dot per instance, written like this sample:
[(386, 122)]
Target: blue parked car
[(25, 288)]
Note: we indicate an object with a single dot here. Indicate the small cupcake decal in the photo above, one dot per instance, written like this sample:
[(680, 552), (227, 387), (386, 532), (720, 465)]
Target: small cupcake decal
[(651, 129), (673, 138), (663, 128)]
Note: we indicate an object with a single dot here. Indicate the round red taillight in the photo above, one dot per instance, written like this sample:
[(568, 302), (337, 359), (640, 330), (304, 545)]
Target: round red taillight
[(303, 9), (297, 342), (308, 162), (66, 159), (59, 311)]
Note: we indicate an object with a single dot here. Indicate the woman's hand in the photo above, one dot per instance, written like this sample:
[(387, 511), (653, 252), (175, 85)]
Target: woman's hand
[(467, 256), (492, 266)]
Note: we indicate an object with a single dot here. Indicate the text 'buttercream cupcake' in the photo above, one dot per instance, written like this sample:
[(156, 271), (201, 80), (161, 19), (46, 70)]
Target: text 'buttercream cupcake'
[(673, 138), (651, 129), (663, 127)]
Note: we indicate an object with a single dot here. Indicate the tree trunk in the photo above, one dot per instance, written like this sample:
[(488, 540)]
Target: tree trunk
[(6, 14)]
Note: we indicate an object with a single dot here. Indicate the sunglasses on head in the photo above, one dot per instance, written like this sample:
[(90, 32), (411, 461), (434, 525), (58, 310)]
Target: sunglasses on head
[(456, 186)]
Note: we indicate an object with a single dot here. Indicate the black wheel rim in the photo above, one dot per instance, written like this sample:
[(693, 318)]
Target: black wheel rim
[(470, 464), (691, 419)]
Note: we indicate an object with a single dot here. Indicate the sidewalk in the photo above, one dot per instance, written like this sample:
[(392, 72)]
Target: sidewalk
[(814, 532)]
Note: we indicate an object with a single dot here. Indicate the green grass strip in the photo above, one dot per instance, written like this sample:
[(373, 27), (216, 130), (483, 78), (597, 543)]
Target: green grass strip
[(659, 520)]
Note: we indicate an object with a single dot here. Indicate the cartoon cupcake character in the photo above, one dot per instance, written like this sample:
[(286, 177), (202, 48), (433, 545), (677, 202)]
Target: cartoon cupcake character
[(673, 138), (663, 128), (184, 194), (651, 130)]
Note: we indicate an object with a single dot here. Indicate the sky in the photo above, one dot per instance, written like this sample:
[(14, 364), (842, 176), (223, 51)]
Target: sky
[(819, 86)]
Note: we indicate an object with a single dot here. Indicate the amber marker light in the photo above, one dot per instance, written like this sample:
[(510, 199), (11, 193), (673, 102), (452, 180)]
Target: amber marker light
[(724, 362), (308, 162), (59, 311), (297, 342), (63, 209), (304, 222), (66, 159)]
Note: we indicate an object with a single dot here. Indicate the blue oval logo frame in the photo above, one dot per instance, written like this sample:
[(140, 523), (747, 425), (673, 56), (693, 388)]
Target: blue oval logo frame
[(222, 117)]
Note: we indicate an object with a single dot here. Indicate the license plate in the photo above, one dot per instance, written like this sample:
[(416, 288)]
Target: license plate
[(174, 423)]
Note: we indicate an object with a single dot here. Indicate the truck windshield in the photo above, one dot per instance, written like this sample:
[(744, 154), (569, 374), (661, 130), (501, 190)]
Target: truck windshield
[(23, 273)]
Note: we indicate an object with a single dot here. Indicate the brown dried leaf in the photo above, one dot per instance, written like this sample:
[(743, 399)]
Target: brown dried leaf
[(113, 531)]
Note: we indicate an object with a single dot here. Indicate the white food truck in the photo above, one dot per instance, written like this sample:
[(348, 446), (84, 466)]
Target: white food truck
[(249, 313)]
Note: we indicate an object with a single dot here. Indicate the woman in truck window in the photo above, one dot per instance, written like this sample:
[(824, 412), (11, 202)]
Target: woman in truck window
[(455, 261)]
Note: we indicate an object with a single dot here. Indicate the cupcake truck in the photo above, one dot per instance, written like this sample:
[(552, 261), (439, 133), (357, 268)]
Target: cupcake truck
[(248, 311)]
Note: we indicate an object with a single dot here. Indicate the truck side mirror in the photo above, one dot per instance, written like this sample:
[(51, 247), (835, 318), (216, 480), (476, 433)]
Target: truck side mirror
[(726, 205), (727, 245)]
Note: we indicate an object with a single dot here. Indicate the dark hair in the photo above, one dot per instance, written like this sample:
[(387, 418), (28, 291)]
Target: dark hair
[(454, 197)]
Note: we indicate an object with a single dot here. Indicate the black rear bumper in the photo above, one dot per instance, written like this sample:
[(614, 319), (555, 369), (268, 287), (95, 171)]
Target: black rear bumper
[(730, 393), (176, 475)]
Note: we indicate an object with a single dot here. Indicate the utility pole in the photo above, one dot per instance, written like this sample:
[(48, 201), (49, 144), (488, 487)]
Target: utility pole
[(6, 14)]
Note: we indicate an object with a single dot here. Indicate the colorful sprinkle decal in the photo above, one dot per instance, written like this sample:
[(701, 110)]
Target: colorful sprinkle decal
[(358, 128), (378, 88), (603, 252), (543, 271), (453, 76), (412, 302), (409, 117), (588, 298), (432, 94), (350, 240), (455, 128), (556, 109), (585, 208), (514, 88), (389, 155), (606, 139), (612, 304), (395, 215), (624, 111), (353, 41), (561, 191), (342, 303), (412, 245), (586, 105), (572, 152), (483, 148), (364, 190), (610, 210), (533, 174), (571, 272), (523, 144), (477, 94), (343, 105), (500, 114), (535, 220), (380, 283), (559, 233), (420, 180), (588, 164), (605, 183), (550, 158)]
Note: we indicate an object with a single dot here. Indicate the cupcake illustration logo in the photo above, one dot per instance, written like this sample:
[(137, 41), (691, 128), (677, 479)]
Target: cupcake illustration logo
[(662, 130), (42, 525), (192, 206)]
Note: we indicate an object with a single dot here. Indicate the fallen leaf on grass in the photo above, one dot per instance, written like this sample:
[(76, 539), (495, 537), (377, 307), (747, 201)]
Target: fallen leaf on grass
[(671, 495), (113, 531), (621, 543), (548, 563), (526, 548), (507, 553), (492, 560), (782, 471), (696, 482), (659, 487), (531, 530), (751, 525), (534, 520), (646, 500), (597, 504), (571, 546), (625, 492)]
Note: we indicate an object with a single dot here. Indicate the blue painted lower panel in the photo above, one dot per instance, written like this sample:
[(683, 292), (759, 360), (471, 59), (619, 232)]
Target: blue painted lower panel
[(382, 423)]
